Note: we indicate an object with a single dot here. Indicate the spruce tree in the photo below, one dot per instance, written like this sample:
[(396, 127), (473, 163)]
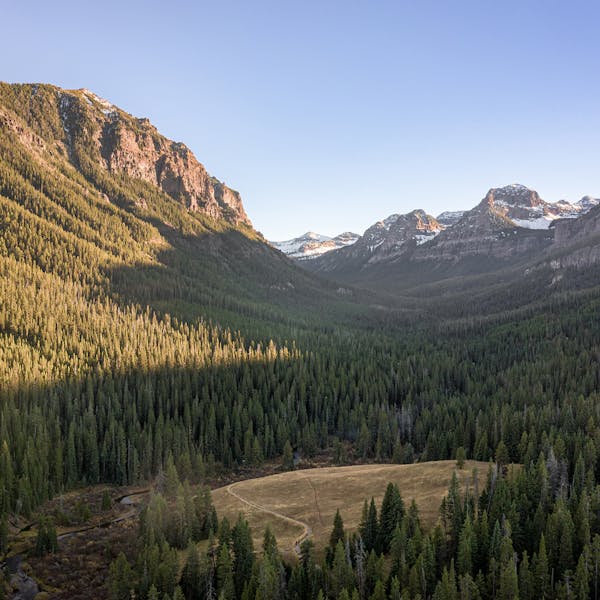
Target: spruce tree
[(391, 514), (243, 554), (369, 526), (337, 533)]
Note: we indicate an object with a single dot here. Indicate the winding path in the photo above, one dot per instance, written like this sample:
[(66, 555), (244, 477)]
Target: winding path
[(307, 530)]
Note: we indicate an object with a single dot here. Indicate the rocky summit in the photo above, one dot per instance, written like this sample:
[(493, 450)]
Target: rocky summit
[(96, 135)]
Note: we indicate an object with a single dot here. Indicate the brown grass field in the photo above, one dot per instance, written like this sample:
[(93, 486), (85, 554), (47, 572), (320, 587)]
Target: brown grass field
[(300, 502)]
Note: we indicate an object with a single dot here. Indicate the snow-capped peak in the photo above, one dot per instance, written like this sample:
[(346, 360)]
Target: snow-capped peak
[(311, 244)]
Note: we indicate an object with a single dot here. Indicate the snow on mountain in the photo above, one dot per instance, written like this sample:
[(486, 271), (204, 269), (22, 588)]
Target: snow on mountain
[(311, 245), (450, 217), (587, 203), (525, 208), (511, 206)]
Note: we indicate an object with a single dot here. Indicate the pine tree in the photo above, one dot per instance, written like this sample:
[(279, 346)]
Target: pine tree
[(378, 592), (243, 554), (466, 548), (508, 588), (120, 579), (47, 542), (171, 477), (468, 589), (190, 576), (270, 544), (502, 457), (526, 581), (337, 533), (106, 501), (541, 572), (341, 573), (288, 457), (391, 514), (581, 583), (224, 574), (369, 527)]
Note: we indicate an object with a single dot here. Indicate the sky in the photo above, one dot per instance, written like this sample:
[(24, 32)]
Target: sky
[(331, 115)]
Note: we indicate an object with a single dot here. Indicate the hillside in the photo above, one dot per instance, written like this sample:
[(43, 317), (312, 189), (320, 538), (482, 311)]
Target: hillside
[(125, 210), (149, 333)]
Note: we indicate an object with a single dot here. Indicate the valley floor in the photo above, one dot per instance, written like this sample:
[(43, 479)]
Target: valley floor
[(297, 505)]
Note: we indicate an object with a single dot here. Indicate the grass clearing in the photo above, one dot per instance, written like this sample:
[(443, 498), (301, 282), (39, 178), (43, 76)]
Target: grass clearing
[(308, 498)]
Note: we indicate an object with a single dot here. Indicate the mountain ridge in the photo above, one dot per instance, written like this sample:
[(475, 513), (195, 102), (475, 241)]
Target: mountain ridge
[(89, 129), (510, 225), (513, 205)]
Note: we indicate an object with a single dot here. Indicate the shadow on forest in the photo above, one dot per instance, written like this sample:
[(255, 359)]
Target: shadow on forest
[(228, 277)]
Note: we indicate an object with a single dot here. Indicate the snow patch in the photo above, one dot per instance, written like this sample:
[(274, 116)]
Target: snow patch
[(542, 222)]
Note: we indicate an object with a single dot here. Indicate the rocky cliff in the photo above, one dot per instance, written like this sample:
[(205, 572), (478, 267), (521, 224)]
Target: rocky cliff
[(98, 135)]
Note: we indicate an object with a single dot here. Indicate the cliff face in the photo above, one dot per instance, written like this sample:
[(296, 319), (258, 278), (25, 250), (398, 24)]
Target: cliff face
[(143, 153), (96, 134), (577, 241)]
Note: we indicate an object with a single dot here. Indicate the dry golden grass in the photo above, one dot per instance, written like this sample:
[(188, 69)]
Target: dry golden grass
[(309, 498)]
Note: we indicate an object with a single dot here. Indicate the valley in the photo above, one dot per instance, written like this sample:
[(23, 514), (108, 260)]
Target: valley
[(152, 339)]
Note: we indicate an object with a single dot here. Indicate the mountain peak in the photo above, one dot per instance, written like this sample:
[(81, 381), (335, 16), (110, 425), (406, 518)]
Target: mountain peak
[(311, 244), (513, 195), (96, 135)]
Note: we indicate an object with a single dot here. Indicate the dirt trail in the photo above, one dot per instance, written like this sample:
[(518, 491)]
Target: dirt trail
[(314, 490), (306, 533)]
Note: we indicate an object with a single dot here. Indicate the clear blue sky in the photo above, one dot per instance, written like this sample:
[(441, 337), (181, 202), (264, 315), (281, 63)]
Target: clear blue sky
[(331, 115)]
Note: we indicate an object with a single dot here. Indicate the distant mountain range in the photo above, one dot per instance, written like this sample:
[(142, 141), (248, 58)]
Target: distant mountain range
[(514, 205), (510, 224)]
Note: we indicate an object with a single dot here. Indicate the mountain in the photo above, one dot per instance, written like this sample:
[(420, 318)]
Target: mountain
[(448, 217), (392, 237), (510, 225), (525, 208), (92, 193), (311, 245), (94, 134), (508, 207)]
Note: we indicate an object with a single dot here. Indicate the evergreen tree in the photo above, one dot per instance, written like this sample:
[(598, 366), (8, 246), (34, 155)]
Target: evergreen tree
[(224, 574), (120, 579), (288, 457), (341, 572), (541, 572), (581, 582), (369, 526), (391, 514), (337, 533), (47, 541), (466, 548), (243, 554), (190, 577), (526, 581)]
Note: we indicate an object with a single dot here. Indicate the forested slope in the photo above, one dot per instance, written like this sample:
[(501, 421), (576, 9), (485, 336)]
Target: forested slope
[(134, 330)]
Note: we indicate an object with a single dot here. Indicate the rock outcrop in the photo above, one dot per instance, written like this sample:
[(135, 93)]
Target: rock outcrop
[(95, 134)]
